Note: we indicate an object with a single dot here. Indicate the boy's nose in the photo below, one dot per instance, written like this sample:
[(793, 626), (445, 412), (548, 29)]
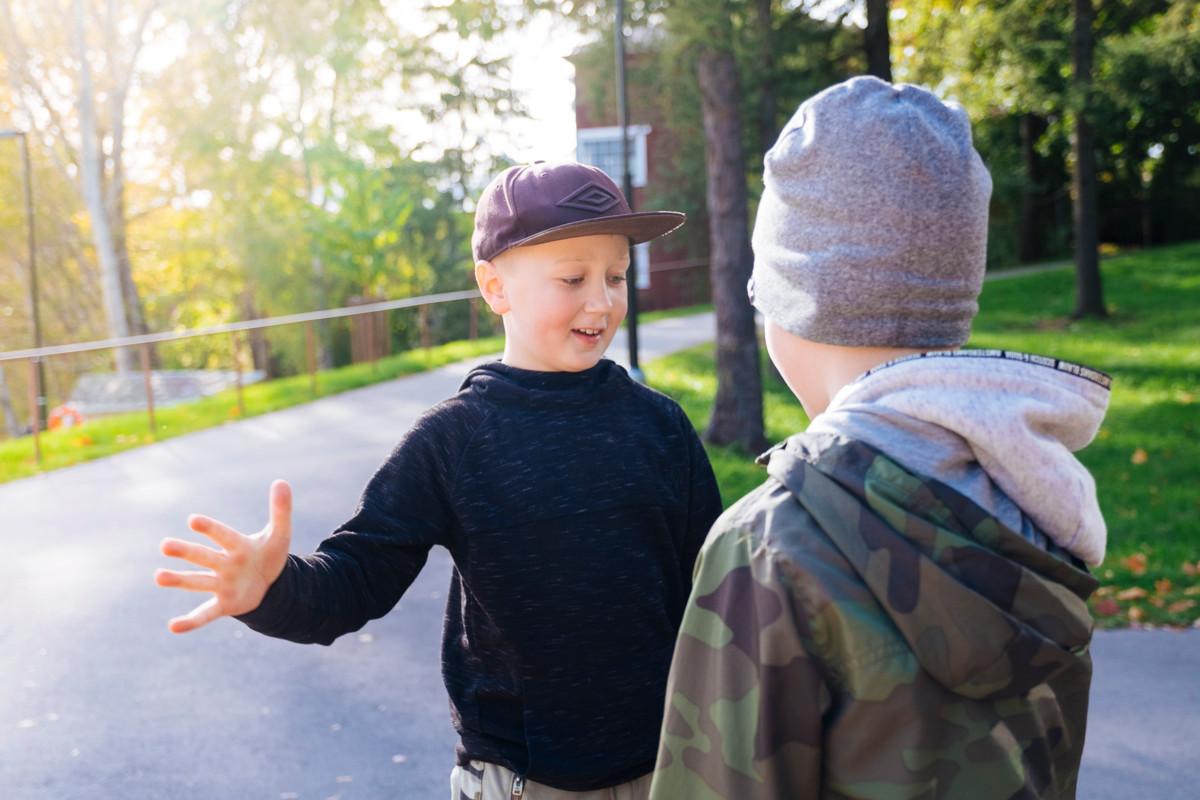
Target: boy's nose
[(601, 300)]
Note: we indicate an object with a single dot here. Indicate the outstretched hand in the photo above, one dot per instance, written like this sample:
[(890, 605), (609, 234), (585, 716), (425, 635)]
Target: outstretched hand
[(239, 573)]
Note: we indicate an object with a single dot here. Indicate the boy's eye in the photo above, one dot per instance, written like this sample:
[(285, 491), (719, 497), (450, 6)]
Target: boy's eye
[(572, 281), (616, 279)]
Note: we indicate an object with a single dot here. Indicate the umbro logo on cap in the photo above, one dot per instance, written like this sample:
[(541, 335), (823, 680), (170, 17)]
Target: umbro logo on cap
[(590, 197)]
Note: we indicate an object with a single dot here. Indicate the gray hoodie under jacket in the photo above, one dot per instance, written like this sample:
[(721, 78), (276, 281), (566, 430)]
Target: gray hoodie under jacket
[(1001, 427)]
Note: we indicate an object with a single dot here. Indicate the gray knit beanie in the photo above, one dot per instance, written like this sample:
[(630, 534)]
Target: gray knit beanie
[(872, 229)]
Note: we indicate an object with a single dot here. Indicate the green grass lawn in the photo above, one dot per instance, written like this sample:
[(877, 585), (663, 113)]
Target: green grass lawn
[(1146, 458)]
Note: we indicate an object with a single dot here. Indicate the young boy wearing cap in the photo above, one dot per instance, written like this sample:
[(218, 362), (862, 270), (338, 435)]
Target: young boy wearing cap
[(899, 610), (572, 499)]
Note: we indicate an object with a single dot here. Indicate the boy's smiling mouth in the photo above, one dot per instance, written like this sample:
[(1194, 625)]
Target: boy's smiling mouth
[(588, 335)]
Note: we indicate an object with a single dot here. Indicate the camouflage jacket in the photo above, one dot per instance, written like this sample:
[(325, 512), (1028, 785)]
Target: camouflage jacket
[(856, 631)]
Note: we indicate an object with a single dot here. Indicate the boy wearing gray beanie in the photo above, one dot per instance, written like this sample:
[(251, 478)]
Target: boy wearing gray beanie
[(900, 609)]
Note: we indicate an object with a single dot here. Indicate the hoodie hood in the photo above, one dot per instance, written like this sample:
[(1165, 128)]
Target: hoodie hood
[(986, 613), (999, 427)]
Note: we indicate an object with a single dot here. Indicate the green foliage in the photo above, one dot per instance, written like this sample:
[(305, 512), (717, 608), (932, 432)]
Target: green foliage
[(1146, 456), (1006, 58), (288, 157)]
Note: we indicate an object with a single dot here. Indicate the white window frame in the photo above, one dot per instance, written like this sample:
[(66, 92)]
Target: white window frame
[(637, 155), (641, 263)]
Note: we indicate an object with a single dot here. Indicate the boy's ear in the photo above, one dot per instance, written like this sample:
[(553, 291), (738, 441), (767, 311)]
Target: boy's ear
[(491, 286)]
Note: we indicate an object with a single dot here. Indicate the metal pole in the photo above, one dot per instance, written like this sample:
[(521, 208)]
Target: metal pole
[(237, 365), (148, 379), (631, 323), (310, 346), (35, 316), (423, 324), (34, 391), (372, 320)]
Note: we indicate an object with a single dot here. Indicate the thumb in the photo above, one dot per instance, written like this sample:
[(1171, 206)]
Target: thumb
[(280, 511)]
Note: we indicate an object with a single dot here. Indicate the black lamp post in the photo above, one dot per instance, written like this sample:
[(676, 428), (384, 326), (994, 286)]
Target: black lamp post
[(631, 323), (33, 284)]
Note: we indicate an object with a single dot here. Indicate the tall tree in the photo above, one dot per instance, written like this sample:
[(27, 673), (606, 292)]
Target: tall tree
[(768, 108), (91, 168), (737, 415), (1089, 301), (73, 92), (878, 40), (1028, 245)]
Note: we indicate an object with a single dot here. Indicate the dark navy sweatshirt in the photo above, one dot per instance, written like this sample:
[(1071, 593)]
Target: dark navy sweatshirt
[(573, 504)]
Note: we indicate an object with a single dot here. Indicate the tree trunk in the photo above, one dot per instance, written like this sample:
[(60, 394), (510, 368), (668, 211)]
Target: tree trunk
[(768, 103), (91, 168), (1029, 247), (116, 184), (878, 40), (737, 416), (318, 275), (1089, 295), (1147, 209), (768, 110), (116, 217)]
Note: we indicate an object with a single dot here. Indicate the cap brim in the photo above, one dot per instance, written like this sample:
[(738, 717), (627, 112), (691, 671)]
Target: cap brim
[(639, 226)]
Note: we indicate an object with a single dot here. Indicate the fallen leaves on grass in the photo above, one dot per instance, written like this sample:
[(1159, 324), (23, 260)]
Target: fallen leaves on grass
[(1181, 606), (1139, 456), (1135, 563), (1133, 593), (1107, 607)]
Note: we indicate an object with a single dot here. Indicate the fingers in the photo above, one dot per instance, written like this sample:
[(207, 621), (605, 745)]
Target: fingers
[(281, 508), (197, 554), (191, 581), (219, 532), (198, 617)]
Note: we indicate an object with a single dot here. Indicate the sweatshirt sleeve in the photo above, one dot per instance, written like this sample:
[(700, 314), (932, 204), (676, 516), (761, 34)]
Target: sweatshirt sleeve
[(746, 695), (360, 572)]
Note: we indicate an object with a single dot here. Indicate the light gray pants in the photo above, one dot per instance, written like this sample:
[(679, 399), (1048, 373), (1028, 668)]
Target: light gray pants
[(486, 781)]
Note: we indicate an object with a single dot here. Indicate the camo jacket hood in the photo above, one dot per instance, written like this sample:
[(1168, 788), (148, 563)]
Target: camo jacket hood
[(857, 631)]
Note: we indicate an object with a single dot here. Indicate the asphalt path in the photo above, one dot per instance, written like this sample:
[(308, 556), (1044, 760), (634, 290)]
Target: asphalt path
[(100, 701)]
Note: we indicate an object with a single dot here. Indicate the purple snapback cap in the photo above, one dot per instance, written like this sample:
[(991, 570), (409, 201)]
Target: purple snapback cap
[(548, 201)]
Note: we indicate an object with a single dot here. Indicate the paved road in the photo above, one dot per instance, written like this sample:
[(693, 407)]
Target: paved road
[(100, 701)]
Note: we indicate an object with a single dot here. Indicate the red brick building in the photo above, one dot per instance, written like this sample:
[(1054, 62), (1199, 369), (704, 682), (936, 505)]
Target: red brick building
[(670, 273)]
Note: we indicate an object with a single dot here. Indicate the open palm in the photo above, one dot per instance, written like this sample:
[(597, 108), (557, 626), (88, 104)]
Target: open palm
[(240, 572)]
